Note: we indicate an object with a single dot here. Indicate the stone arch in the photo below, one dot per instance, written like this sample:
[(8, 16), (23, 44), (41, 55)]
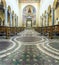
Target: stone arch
[(4, 3), (55, 4), (49, 15), (56, 11), (13, 18), (28, 8), (45, 12), (2, 10), (9, 12), (49, 9), (12, 12), (15, 15), (9, 8), (29, 11)]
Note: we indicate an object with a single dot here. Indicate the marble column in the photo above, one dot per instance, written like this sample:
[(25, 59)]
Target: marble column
[(52, 16), (42, 22), (6, 17), (47, 20), (10, 19), (13, 22), (16, 21)]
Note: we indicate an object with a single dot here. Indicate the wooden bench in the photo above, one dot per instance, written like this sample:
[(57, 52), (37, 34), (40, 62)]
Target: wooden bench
[(13, 30), (50, 31), (56, 29), (44, 30), (4, 30), (38, 29)]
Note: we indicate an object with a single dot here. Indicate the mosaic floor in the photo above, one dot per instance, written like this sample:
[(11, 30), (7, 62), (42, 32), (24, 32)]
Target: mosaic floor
[(28, 56), (36, 51), (55, 45)]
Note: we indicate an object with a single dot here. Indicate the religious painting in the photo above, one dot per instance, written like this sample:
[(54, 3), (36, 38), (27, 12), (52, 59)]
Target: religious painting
[(29, 12)]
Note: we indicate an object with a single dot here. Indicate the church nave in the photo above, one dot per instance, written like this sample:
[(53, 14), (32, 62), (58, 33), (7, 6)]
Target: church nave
[(29, 52), (29, 32)]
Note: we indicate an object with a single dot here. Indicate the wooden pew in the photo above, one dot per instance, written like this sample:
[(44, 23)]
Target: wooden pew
[(21, 28), (44, 30), (13, 31), (4, 30), (50, 31), (38, 29), (56, 29)]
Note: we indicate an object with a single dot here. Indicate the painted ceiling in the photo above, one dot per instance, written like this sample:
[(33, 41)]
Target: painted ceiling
[(29, 1)]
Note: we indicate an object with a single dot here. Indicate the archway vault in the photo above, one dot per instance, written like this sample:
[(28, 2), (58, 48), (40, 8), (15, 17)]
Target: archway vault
[(29, 12), (24, 5)]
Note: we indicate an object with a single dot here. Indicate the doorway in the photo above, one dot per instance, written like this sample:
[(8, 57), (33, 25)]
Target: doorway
[(29, 23)]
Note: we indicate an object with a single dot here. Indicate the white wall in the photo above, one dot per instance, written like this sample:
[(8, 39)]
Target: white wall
[(44, 5), (18, 9), (14, 5), (22, 5)]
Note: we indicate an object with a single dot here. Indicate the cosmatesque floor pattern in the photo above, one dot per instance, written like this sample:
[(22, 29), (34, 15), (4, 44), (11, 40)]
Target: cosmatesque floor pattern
[(19, 50), (30, 56)]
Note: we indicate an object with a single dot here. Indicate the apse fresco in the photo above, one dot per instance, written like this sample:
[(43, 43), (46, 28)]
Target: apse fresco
[(27, 1), (29, 12)]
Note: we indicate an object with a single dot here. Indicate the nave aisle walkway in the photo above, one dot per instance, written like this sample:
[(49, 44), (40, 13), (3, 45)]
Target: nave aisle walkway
[(28, 48)]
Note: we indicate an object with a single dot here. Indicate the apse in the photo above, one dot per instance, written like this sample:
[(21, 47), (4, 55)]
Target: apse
[(29, 12)]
